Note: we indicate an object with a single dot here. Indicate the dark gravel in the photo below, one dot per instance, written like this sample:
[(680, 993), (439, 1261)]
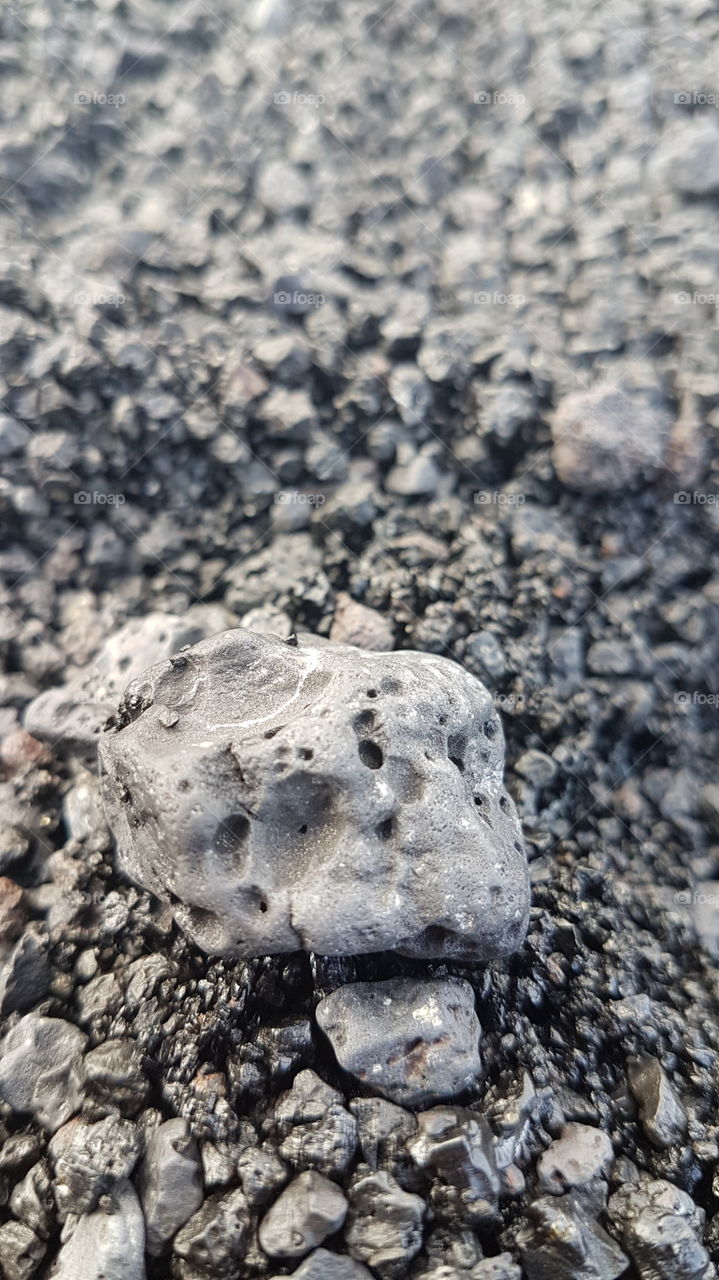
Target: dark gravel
[(397, 325)]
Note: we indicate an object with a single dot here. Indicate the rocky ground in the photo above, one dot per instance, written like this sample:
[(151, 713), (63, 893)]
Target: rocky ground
[(395, 325)]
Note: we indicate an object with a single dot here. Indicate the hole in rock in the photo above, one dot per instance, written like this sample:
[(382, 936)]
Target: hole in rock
[(183, 785), (370, 754), (490, 728), (456, 747), (231, 835), (364, 722), (504, 803), (518, 847), (303, 829), (305, 753), (478, 800), (392, 686), (270, 733), (263, 906), (385, 829), (371, 693)]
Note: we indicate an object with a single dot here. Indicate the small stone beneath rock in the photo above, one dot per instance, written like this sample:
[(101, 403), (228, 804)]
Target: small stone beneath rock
[(413, 1041), (25, 972), (356, 624), (169, 1182), (662, 1116), (41, 1069), (306, 1212)]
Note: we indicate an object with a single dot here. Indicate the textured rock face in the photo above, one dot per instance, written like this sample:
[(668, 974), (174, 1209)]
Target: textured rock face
[(285, 796)]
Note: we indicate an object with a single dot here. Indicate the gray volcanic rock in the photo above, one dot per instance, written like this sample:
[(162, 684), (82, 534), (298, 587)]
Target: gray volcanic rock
[(287, 796), (414, 1041), (169, 1182), (108, 1244)]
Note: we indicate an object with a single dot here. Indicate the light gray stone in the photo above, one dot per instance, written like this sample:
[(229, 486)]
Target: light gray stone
[(608, 439), (306, 1212), (169, 1182), (285, 796), (108, 1244), (41, 1069), (414, 1041)]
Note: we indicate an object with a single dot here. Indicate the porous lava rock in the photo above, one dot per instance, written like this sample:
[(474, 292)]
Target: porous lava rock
[(287, 795)]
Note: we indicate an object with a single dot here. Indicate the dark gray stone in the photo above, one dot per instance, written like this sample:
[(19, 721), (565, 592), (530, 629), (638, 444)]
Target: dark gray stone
[(318, 779), (414, 1041), (304, 1214)]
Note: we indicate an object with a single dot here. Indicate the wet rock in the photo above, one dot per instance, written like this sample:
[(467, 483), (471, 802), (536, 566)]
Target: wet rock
[(89, 1160), (324, 1265), (385, 1224), (456, 1148), (413, 1041), (607, 439), (313, 1126), (559, 1241), (356, 624), (306, 1212), (169, 1183), (108, 1244), (578, 1160), (21, 1251), (41, 1069), (662, 1116), (215, 1239), (315, 743)]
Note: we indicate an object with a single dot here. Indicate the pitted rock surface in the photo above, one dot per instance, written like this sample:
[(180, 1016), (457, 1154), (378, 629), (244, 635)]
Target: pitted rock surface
[(305, 795)]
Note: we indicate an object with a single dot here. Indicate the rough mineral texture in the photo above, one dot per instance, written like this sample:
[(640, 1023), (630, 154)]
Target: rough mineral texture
[(412, 1040), (314, 796)]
